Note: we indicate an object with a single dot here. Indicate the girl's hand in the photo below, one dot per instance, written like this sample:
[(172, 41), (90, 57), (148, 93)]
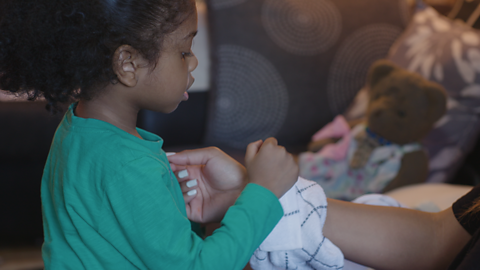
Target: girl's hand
[(271, 166), (210, 180)]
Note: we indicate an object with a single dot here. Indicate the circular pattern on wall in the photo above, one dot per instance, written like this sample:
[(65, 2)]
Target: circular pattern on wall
[(219, 4), (302, 27), (251, 99), (353, 60)]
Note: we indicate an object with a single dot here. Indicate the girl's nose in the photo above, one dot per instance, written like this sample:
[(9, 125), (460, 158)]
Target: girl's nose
[(193, 63)]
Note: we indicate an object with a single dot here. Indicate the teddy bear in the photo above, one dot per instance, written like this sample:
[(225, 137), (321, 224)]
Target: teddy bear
[(383, 151)]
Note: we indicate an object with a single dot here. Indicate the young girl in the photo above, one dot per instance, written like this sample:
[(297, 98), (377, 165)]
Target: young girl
[(110, 199)]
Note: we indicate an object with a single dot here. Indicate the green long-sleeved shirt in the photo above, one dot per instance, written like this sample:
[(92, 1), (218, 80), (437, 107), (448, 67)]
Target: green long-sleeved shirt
[(111, 201)]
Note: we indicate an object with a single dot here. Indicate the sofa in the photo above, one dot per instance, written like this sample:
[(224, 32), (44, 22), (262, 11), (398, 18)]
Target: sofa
[(279, 68)]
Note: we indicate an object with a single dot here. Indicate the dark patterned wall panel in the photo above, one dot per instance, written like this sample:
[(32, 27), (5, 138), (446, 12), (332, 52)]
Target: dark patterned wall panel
[(285, 68)]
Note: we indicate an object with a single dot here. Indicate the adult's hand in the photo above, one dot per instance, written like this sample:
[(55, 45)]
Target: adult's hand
[(210, 180)]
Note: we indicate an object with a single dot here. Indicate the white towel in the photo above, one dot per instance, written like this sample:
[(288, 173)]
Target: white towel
[(297, 242), (378, 199)]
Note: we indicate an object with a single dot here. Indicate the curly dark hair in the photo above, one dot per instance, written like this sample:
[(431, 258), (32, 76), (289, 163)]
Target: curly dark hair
[(63, 49)]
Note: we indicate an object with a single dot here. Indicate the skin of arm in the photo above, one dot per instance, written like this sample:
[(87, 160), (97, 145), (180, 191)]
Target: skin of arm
[(394, 238)]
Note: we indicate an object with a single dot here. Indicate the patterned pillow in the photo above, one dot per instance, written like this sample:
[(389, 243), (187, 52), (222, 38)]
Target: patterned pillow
[(285, 68), (467, 11), (447, 52)]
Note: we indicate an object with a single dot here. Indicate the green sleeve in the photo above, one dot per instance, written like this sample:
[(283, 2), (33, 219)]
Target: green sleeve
[(145, 223)]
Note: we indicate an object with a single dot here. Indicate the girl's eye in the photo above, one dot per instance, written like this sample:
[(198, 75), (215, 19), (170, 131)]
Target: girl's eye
[(186, 54)]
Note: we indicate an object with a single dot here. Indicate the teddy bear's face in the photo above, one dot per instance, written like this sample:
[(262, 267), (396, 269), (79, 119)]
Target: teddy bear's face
[(398, 111), (403, 106)]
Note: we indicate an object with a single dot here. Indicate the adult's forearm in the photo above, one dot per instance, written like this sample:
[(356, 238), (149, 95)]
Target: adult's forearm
[(392, 237)]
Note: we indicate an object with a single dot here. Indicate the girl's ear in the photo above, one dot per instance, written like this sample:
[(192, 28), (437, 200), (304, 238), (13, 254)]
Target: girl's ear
[(126, 62)]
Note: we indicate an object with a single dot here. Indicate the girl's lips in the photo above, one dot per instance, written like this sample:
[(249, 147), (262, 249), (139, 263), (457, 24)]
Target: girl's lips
[(191, 80)]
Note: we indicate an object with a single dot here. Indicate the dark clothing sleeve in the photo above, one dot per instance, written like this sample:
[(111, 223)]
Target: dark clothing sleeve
[(470, 222), (469, 257)]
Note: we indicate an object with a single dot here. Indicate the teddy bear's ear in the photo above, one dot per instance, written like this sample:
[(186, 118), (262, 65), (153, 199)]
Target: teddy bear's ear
[(379, 70), (438, 100)]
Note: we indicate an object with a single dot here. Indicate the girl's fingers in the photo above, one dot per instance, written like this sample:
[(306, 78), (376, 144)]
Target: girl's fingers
[(189, 189), (188, 209), (189, 196), (252, 150), (184, 174), (271, 140), (176, 168), (189, 185), (194, 157)]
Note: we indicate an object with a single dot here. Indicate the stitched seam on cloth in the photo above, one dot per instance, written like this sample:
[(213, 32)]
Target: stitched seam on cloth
[(292, 213), (313, 206), (305, 188), (316, 251), (311, 212), (313, 258)]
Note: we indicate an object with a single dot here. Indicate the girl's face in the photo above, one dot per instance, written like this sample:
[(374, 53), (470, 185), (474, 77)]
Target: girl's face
[(166, 86)]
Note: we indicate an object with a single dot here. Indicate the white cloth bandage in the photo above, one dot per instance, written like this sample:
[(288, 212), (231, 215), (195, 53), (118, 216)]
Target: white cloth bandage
[(297, 242)]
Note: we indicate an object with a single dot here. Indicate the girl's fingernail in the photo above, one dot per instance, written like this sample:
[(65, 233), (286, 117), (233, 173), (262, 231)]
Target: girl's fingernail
[(183, 174), (192, 183), (192, 192), (170, 153)]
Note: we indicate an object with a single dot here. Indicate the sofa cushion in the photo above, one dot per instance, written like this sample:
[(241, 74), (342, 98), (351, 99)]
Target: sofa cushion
[(27, 130), (285, 68), (448, 53), (25, 137)]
